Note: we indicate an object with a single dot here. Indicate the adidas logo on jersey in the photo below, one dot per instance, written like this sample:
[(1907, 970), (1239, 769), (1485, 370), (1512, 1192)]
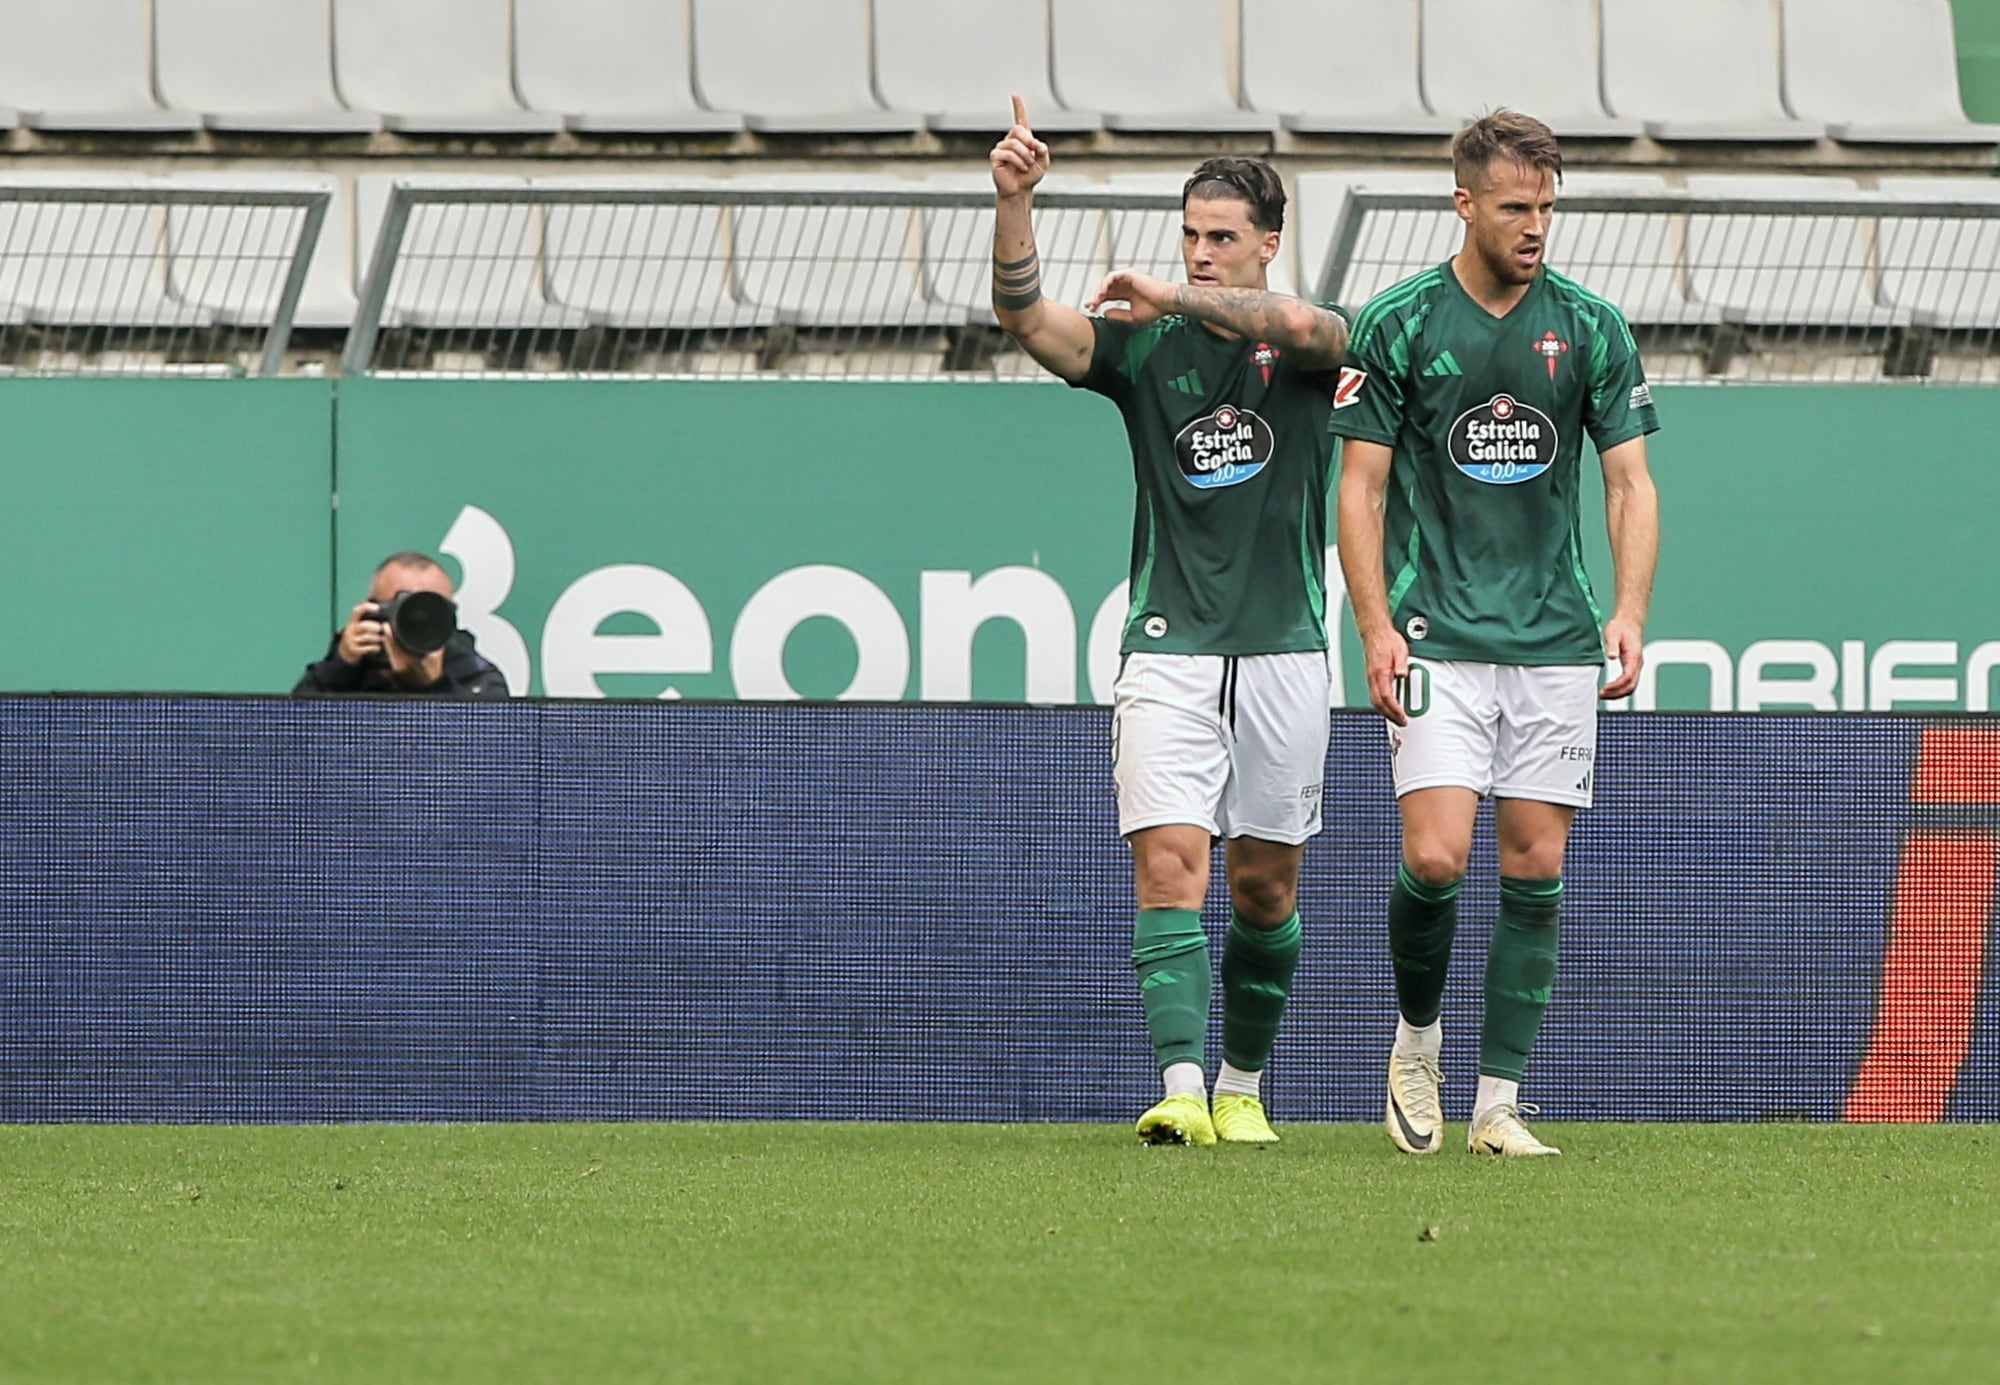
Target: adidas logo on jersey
[(1189, 383), (1443, 365)]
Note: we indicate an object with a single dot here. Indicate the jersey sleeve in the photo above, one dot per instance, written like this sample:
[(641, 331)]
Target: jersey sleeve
[(1620, 407), (1367, 394), (1110, 373)]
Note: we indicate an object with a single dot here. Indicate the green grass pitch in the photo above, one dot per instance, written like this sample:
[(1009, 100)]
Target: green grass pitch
[(878, 1252)]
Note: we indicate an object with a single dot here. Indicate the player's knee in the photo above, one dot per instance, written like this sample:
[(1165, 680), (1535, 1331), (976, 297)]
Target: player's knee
[(1536, 861), (1434, 865), (1265, 901)]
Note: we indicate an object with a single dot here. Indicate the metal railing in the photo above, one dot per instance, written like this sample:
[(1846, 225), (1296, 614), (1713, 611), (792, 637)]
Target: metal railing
[(1857, 288), (147, 277)]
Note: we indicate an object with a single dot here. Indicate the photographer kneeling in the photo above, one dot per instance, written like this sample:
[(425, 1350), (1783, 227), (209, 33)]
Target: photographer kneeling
[(405, 639)]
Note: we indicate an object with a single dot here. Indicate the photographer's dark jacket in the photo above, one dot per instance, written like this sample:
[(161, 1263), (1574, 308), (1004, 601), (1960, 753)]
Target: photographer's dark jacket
[(466, 674)]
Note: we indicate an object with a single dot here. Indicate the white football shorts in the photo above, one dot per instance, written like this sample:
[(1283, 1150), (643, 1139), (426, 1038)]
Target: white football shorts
[(1233, 744), (1499, 729)]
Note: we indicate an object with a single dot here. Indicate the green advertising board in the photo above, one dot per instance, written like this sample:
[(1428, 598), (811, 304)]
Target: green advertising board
[(1825, 546), (164, 535)]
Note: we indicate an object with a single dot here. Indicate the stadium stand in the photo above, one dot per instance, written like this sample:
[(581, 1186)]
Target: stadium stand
[(612, 67), (252, 67), (1699, 70), (937, 57), (1461, 78), (814, 82), (1337, 67), (440, 68), (1883, 72), (1766, 268)]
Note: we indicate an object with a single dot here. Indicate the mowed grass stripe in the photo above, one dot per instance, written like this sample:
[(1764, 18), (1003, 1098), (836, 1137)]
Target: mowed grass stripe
[(949, 1252)]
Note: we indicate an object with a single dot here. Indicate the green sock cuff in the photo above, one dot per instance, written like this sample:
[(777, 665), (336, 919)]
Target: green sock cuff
[(1158, 934), (1283, 938), (1429, 894), (1531, 891)]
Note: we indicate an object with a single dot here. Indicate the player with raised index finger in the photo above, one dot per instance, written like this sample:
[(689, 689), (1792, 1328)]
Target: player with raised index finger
[(1219, 728)]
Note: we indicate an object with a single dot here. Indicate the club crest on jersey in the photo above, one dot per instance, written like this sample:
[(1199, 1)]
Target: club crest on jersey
[(1551, 348), (1265, 356), (1225, 448), (1503, 442)]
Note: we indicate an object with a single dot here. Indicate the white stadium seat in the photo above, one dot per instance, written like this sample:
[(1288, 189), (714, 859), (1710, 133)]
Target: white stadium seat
[(224, 258), (831, 267), (612, 66), (1698, 70), (256, 66), (794, 69), (82, 66), (1162, 71), (958, 246), (1337, 66), (96, 264), (958, 61), (1884, 72), (1945, 271), (1393, 245), (1788, 271), (432, 67), (659, 266), (1631, 258), (463, 266), (1560, 87)]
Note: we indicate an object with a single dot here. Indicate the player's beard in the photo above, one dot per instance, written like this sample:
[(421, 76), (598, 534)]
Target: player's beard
[(1504, 268)]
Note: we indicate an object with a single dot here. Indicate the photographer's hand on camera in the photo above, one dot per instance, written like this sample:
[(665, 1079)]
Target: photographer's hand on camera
[(364, 636)]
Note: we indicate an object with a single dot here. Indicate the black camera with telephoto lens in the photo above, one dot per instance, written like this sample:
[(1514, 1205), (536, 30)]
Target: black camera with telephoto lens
[(421, 622)]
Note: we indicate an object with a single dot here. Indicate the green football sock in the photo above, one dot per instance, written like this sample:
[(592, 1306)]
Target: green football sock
[(1520, 972), (1170, 953), (1257, 967), (1423, 919)]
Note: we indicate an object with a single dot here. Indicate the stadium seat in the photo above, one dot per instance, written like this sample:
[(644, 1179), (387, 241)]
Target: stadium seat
[(958, 245), (87, 263), (257, 66), (1392, 246), (231, 261), (658, 266), (1337, 67), (1881, 73), (613, 67), (1768, 269), (1631, 258), (1162, 71), (1698, 70), (957, 62), (82, 66), (442, 67), (825, 266), (1560, 88), (1946, 271), (462, 266), (794, 69)]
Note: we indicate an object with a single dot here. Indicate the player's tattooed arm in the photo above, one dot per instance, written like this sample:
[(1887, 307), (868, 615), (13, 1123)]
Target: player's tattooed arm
[(1317, 335), (1017, 284)]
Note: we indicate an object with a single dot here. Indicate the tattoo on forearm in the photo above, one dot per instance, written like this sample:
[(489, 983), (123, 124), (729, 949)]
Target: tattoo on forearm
[(1256, 313), (1017, 284)]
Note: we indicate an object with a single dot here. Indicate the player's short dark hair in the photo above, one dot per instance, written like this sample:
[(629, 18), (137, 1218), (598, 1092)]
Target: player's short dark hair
[(1503, 134), (1243, 180), (408, 558)]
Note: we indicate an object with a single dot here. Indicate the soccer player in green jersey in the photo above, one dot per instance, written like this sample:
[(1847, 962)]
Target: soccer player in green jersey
[(1219, 724), (1463, 406)]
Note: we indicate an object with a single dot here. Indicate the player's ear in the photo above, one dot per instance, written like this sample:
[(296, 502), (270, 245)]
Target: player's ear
[(1462, 200), (1269, 250)]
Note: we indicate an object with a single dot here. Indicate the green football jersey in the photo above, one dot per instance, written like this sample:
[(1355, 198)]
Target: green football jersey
[(1232, 457), (1481, 546)]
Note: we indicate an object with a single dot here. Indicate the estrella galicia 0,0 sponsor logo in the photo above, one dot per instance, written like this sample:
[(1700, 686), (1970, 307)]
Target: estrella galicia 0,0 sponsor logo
[(1224, 448), (1503, 441)]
